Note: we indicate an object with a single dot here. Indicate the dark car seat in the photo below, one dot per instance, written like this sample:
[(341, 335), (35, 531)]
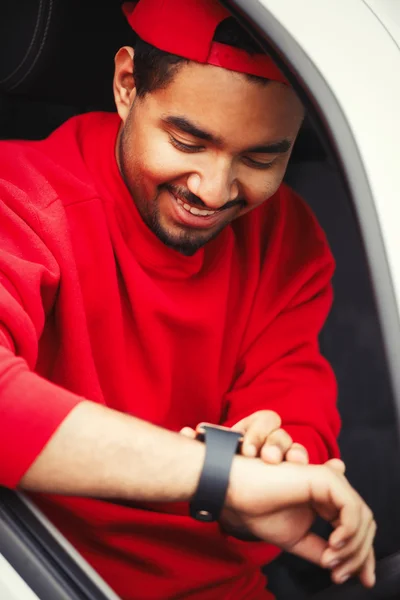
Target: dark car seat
[(351, 340), (56, 61)]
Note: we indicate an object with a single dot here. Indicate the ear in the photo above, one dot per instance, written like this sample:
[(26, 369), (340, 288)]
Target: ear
[(124, 82)]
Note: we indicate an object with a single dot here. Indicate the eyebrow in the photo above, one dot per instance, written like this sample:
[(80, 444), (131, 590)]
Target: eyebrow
[(279, 147), (183, 124), (188, 127)]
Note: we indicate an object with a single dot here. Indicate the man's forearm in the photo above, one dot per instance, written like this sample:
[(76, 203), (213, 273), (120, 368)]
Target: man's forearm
[(102, 453)]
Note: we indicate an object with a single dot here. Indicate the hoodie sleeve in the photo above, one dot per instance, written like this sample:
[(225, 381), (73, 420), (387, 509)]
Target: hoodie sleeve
[(31, 408)]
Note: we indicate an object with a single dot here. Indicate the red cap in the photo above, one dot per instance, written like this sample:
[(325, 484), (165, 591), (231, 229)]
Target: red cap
[(186, 28)]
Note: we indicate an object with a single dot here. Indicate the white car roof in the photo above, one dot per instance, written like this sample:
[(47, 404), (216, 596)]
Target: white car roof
[(388, 12)]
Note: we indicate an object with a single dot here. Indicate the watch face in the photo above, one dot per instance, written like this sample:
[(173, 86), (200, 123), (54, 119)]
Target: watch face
[(202, 428)]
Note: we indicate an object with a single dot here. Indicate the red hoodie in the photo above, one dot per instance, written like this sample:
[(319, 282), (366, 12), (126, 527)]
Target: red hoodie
[(93, 305)]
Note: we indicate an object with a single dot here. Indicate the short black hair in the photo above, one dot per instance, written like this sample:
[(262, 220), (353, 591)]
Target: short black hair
[(154, 69)]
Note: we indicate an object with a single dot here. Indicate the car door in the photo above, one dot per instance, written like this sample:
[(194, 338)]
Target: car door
[(36, 562), (343, 57)]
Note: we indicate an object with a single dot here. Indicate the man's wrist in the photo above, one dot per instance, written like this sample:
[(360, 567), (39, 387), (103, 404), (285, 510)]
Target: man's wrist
[(237, 482), (193, 453), (253, 482)]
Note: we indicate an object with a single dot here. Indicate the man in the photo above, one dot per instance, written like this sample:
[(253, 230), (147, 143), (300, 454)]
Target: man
[(156, 274)]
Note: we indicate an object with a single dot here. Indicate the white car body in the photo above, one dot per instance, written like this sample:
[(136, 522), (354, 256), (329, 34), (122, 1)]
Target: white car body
[(347, 54)]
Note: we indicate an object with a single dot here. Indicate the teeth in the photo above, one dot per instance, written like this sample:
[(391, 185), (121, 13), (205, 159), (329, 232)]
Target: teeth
[(200, 213), (196, 211)]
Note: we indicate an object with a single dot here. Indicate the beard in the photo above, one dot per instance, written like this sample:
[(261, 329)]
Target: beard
[(185, 240)]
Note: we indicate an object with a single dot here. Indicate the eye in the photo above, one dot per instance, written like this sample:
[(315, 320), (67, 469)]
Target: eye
[(254, 164), (184, 147)]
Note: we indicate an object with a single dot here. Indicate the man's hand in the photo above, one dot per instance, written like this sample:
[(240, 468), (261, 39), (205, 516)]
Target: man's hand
[(325, 492), (296, 494), (264, 438)]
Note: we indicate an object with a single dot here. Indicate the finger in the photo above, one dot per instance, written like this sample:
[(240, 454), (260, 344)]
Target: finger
[(367, 574), (353, 544), (268, 416), (356, 562), (311, 547), (356, 548), (258, 431), (350, 550), (353, 515), (336, 465), (356, 566), (351, 522), (188, 432), (349, 546), (297, 454), (276, 446), (331, 494)]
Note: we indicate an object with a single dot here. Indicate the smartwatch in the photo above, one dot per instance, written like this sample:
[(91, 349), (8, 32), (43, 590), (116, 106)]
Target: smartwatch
[(221, 446)]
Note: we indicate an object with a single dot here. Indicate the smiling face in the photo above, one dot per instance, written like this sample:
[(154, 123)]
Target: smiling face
[(199, 153)]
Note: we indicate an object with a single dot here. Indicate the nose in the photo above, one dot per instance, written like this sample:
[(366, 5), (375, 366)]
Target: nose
[(215, 186)]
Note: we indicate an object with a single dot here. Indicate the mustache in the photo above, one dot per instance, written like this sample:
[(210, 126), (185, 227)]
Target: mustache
[(184, 194)]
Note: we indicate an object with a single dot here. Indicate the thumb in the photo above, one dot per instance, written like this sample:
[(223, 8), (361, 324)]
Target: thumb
[(242, 425), (188, 432)]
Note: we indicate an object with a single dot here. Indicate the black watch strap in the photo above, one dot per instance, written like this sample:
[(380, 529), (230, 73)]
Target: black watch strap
[(221, 447)]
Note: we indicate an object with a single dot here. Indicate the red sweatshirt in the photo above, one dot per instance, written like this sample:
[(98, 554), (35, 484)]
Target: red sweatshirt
[(94, 306)]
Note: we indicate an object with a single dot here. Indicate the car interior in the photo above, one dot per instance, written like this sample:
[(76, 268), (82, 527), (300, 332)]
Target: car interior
[(57, 61)]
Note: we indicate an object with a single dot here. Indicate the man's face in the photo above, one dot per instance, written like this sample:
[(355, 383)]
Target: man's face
[(209, 147)]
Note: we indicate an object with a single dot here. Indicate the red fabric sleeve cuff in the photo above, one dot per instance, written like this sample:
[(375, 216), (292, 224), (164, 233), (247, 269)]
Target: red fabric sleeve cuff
[(32, 409)]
